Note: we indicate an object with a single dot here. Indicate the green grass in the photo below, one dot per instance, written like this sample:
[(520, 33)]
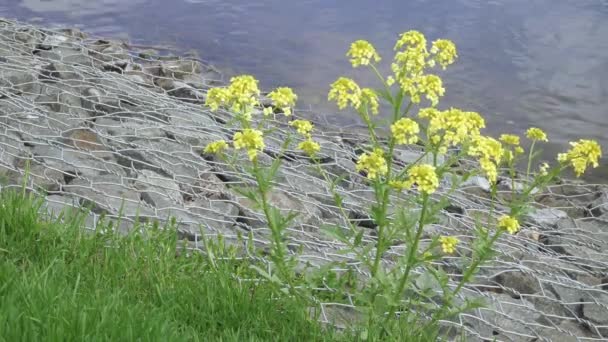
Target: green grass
[(60, 283)]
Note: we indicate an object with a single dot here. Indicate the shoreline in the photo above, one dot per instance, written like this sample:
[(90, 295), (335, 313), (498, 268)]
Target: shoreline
[(100, 123)]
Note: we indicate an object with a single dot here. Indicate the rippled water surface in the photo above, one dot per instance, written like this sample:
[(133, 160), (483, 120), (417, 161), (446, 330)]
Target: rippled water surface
[(542, 62)]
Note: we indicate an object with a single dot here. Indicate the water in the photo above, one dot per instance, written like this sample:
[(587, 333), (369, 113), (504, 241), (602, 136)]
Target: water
[(542, 63)]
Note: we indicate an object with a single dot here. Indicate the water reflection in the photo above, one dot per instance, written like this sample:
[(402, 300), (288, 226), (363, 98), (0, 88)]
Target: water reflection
[(79, 7), (521, 63)]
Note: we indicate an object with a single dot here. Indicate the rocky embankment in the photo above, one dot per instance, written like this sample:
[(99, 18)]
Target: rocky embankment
[(100, 122)]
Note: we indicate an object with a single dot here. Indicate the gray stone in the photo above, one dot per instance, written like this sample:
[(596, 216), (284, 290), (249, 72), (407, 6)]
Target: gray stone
[(180, 68), (599, 206), (595, 309), (479, 182), (106, 194), (547, 217), (158, 191), (308, 213), (508, 315), (16, 79), (57, 205), (219, 214)]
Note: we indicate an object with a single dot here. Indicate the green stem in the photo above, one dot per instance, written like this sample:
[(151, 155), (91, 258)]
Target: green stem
[(530, 159), (411, 253)]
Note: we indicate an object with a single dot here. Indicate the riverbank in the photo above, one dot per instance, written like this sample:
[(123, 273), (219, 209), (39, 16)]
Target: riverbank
[(116, 129)]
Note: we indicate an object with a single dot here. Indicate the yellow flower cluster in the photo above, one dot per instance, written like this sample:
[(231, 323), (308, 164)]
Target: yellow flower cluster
[(250, 139), (508, 223), (362, 53), (424, 176), (303, 127), (309, 146), (431, 86), (582, 153), (444, 52), (345, 91), (216, 146), (534, 133), (451, 127), (412, 58), (373, 163), (510, 139), (398, 185), (284, 98), (490, 153), (448, 244), (405, 131), (240, 96), (543, 169), (217, 97), (369, 98), (512, 142)]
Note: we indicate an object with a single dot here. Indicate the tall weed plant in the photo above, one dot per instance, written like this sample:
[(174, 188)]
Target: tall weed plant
[(392, 301)]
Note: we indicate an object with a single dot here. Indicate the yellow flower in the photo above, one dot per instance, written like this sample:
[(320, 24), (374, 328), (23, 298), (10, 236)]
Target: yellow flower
[(411, 40), (448, 244), (303, 127), (267, 111), (424, 176), (362, 53), (451, 127), (490, 153), (244, 85), (309, 146), (345, 91), (284, 98), (512, 142), (508, 223), (405, 131), (444, 52), (369, 97), (373, 163), (398, 185), (217, 97), (582, 153), (429, 113), (244, 93), (216, 146), (510, 139), (250, 139), (432, 87), (534, 133), (390, 80), (543, 169)]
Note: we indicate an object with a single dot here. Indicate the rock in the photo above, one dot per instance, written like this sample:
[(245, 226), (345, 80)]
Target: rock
[(180, 68), (54, 205), (477, 185), (107, 193), (308, 213), (504, 318), (22, 79), (219, 214), (181, 90), (566, 331), (546, 217), (158, 191), (599, 206), (595, 308)]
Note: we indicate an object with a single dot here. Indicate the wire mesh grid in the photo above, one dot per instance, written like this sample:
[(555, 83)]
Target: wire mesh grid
[(111, 127)]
